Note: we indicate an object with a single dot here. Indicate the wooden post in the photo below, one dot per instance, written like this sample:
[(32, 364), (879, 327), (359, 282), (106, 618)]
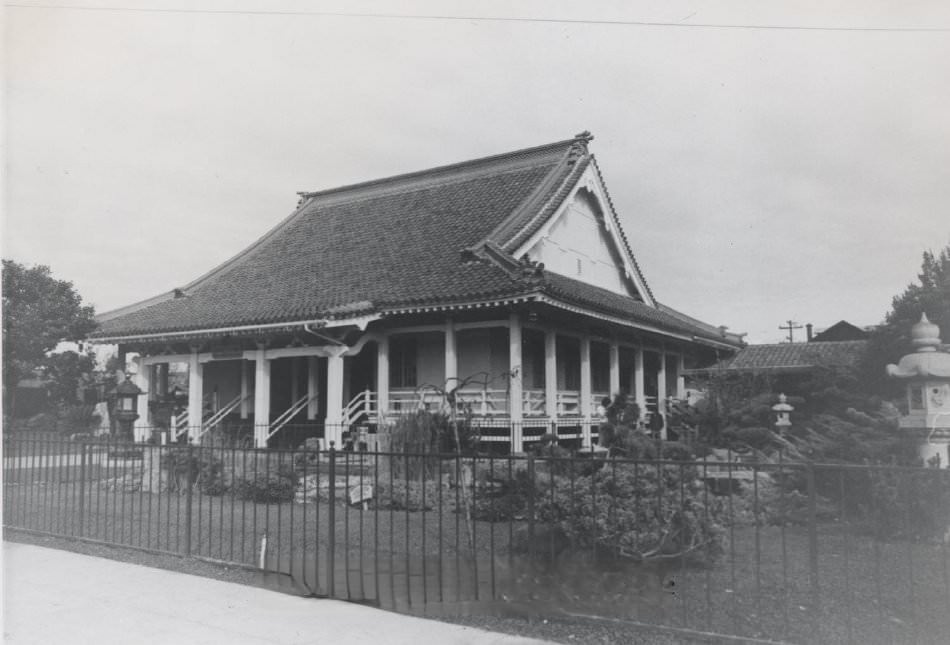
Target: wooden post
[(661, 392), (261, 398), (334, 419), (143, 379), (515, 404), (614, 368), (680, 378), (586, 403), (451, 356), (550, 375), (382, 377), (195, 395), (639, 386)]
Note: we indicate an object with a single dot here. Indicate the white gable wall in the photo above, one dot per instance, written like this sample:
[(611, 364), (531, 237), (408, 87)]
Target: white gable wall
[(578, 245)]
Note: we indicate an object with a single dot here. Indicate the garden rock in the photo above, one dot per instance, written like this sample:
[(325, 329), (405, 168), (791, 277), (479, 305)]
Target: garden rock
[(130, 483)]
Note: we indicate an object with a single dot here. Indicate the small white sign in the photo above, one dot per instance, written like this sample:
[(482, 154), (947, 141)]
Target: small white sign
[(361, 493)]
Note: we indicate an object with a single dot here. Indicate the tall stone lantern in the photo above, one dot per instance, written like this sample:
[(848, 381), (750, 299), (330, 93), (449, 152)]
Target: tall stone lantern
[(126, 406), (783, 412), (926, 373)]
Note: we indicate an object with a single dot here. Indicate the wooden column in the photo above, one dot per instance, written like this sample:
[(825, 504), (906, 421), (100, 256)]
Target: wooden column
[(614, 368), (261, 398), (680, 378), (451, 356), (313, 386), (195, 395), (515, 396), (661, 391), (586, 404), (334, 419), (382, 376), (639, 392), (550, 375), (143, 379)]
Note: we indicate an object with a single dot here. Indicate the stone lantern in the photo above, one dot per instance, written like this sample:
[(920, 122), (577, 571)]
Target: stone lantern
[(927, 376), (126, 406), (783, 413)]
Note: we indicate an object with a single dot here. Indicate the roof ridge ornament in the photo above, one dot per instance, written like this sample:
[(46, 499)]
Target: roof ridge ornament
[(532, 271), (579, 147)]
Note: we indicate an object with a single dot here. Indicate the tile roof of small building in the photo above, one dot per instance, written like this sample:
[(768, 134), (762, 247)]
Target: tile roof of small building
[(419, 239), (790, 357)]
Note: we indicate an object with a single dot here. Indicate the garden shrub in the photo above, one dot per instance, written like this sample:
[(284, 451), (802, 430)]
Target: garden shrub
[(404, 495), (307, 457), (552, 456), (508, 502), (278, 485), (77, 418), (903, 504), (636, 512), (187, 465), (42, 422), (676, 451), (755, 437), (418, 439), (230, 435), (771, 502)]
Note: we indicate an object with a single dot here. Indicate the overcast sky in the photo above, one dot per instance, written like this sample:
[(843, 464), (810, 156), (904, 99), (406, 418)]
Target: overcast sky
[(760, 174)]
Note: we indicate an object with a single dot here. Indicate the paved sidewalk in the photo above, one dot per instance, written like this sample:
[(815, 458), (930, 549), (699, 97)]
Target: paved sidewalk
[(52, 596)]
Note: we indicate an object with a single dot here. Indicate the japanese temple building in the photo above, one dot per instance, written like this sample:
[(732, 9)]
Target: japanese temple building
[(507, 279)]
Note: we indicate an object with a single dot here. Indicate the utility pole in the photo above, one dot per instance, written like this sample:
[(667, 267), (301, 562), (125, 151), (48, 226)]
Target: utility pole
[(790, 327)]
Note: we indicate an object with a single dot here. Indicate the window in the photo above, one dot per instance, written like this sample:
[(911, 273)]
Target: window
[(600, 367), (572, 373), (533, 359), (402, 362)]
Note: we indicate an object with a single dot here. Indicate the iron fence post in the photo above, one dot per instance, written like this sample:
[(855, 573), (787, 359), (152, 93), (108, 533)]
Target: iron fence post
[(331, 521), (813, 548), (189, 490), (82, 488), (531, 505)]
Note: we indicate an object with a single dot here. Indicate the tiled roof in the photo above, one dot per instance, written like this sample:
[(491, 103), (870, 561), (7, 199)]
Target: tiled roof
[(382, 243), (428, 238), (794, 356), (608, 302)]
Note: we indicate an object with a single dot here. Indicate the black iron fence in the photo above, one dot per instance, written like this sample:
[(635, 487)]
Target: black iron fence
[(774, 551)]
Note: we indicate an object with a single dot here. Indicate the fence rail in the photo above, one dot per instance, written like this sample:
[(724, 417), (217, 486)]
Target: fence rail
[(785, 551)]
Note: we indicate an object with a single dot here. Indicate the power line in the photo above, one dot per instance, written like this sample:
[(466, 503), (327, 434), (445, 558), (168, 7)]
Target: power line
[(398, 16)]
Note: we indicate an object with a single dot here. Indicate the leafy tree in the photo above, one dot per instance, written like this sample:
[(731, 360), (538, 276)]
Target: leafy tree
[(67, 371), (931, 295), (39, 311)]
